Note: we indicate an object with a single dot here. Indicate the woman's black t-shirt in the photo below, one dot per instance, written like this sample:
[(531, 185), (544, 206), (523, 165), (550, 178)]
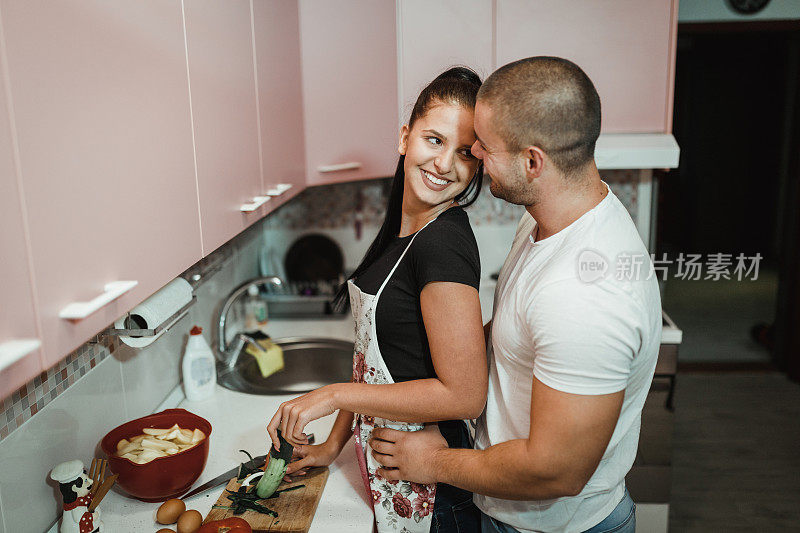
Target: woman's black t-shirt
[(445, 250)]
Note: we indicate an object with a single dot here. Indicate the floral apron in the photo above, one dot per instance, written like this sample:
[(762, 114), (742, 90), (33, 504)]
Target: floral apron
[(399, 506)]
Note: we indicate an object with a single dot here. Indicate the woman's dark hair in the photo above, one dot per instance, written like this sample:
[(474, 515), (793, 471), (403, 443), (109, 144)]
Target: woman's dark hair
[(455, 86)]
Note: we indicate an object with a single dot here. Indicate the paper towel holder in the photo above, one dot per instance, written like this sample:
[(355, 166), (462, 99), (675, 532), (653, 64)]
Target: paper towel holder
[(168, 323)]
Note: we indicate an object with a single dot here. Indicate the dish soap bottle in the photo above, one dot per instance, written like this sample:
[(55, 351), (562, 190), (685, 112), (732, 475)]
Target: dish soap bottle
[(199, 368), (255, 311)]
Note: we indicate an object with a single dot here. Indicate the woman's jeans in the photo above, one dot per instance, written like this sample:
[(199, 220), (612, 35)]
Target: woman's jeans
[(621, 520), (453, 510)]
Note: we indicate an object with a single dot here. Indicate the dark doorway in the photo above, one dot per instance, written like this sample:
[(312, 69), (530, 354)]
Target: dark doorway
[(734, 119)]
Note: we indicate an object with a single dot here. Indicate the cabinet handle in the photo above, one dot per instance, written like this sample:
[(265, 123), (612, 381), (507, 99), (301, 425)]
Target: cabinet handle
[(113, 290), (258, 201), (279, 189), (355, 165), (13, 351)]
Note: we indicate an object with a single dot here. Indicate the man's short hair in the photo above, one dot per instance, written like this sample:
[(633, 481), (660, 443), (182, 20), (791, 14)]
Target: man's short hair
[(547, 102)]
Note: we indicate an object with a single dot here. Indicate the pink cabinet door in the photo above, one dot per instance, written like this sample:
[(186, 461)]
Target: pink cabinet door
[(219, 41), (280, 101), (349, 61), (426, 50), (17, 312), (625, 46), (101, 110)]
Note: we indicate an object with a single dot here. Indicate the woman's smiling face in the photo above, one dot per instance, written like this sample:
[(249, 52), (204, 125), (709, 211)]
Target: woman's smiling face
[(438, 162)]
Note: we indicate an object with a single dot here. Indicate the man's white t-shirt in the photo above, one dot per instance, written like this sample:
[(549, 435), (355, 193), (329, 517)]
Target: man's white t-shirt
[(580, 311)]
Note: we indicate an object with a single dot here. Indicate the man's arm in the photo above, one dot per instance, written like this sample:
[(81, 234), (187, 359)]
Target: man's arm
[(568, 436)]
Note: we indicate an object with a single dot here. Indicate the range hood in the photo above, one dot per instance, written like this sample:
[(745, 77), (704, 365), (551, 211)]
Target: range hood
[(636, 150)]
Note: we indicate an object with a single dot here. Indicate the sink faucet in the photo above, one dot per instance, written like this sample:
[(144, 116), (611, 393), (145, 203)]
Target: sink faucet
[(228, 354)]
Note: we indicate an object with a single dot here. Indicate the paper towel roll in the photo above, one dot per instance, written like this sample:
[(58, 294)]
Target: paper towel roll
[(154, 311)]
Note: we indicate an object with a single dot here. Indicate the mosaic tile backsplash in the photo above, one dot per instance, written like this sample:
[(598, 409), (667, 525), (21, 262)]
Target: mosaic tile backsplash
[(331, 207), (31, 397), (335, 206)]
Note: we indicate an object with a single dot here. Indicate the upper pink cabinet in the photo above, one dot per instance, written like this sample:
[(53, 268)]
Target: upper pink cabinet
[(280, 102), (625, 46), (222, 82), (435, 36), (353, 72), (100, 103), (20, 356), (349, 70)]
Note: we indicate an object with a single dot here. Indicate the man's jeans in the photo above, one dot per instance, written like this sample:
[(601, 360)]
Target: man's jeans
[(621, 520)]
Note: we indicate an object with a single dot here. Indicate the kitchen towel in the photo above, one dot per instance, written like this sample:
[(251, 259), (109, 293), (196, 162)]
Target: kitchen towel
[(154, 311)]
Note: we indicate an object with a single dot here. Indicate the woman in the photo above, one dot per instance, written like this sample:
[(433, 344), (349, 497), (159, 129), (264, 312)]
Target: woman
[(419, 348)]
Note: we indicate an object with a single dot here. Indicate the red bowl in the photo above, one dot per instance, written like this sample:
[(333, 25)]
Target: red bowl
[(165, 477)]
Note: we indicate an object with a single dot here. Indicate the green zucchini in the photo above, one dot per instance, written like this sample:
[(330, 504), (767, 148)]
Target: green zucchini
[(276, 468), (273, 475)]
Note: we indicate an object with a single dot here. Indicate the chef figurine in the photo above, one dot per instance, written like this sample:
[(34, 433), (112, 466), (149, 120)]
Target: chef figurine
[(74, 485)]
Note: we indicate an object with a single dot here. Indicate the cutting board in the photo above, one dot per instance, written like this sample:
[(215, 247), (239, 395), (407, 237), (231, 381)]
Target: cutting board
[(295, 508)]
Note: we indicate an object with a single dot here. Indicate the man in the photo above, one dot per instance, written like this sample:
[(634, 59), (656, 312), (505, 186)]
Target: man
[(573, 342)]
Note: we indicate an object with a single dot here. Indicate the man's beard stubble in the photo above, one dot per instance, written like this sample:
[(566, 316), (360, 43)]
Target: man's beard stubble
[(516, 191)]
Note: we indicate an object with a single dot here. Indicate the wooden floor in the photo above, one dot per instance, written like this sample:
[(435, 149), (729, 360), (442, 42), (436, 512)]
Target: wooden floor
[(736, 453)]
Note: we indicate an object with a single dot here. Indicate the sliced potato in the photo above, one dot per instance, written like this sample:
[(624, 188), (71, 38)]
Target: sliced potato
[(128, 448), (158, 442), (147, 456), (154, 431), (197, 436), (152, 454), (184, 436), (172, 435), (154, 444)]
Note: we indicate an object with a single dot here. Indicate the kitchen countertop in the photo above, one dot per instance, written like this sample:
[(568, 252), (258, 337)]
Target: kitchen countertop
[(342, 507)]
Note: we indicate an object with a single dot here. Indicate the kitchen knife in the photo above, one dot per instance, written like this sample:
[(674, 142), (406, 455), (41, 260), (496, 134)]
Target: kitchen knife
[(257, 462)]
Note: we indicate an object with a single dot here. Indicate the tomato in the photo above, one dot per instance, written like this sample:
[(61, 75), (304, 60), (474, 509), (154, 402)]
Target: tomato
[(228, 525)]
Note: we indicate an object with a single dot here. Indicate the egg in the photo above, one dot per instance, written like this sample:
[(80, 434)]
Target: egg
[(169, 511), (190, 521)]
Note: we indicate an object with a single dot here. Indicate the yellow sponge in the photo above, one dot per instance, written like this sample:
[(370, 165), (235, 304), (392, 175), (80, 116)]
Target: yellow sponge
[(269, 358)]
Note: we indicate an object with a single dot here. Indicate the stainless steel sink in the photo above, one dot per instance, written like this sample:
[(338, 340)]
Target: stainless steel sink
[(309, 363)]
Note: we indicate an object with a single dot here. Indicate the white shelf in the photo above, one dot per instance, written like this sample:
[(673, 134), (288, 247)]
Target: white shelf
[(14, 350), (636, 150), (670, 333)]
